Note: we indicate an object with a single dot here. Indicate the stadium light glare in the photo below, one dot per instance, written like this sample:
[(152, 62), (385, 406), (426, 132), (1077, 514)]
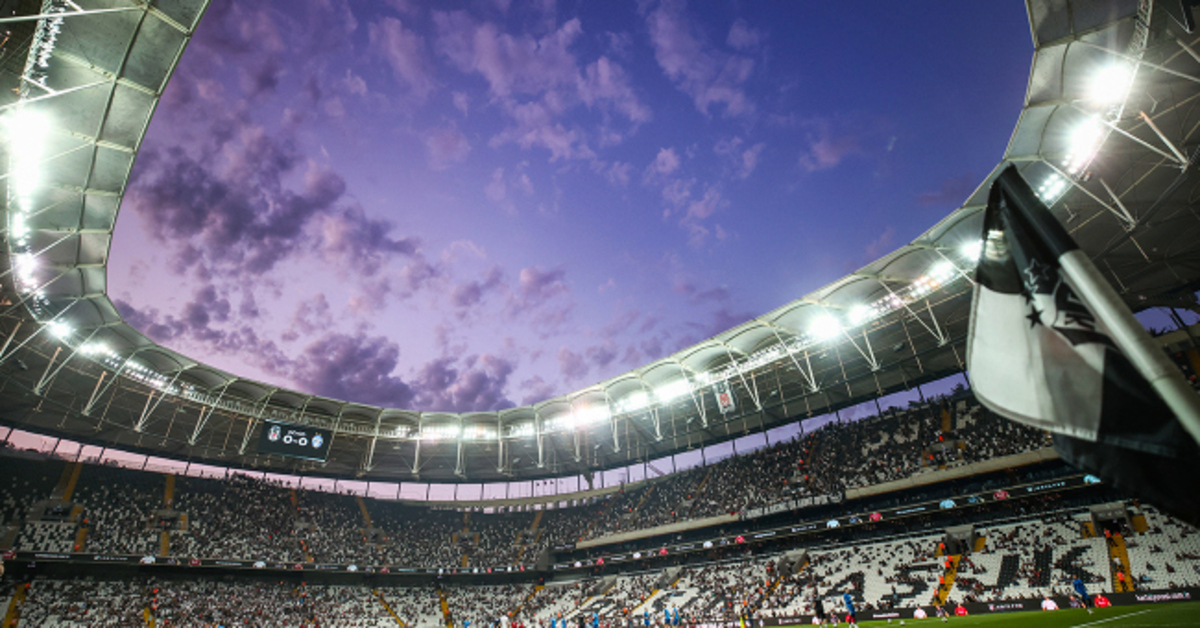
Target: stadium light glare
[(95, 348), (60, 329), (825, 327), (673, 390), (859, 314), (972, 250), (1084, 142), (1110, 84), (25, 133), (590, 415), (942, 271), (634, 401)]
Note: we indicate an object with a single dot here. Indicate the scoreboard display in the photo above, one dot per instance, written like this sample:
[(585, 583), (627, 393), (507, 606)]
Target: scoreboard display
[(296, 441)]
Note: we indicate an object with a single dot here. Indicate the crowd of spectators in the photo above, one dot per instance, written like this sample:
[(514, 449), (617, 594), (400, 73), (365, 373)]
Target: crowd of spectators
[(253, 519)]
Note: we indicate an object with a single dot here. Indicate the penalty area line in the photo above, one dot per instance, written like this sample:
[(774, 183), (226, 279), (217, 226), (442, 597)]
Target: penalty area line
[(1104, 621)]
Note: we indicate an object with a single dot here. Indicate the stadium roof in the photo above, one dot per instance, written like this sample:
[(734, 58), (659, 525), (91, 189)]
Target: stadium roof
[(1107, 134)]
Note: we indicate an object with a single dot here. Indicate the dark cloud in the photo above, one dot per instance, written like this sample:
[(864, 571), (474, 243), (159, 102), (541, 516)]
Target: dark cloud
[(477, 385), (352, 366), (195, 325), (310, 317), (363, 243), (471, 293), (571, 365), (536, 389), (603, 354)]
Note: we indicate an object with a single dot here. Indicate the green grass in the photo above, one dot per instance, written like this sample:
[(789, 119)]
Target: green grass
[(1146, 615)]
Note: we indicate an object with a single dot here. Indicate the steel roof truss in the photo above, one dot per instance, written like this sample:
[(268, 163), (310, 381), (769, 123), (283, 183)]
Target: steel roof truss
[(49, 377), (206, 412), (162, 395)]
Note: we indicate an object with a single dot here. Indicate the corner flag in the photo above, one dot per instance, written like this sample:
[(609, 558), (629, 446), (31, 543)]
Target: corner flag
[(1039, 354)]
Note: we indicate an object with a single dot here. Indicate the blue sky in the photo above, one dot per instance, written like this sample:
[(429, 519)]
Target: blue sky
[(472, 205)]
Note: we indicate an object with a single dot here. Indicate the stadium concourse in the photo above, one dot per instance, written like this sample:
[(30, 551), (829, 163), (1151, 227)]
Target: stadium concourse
[(167, 492)]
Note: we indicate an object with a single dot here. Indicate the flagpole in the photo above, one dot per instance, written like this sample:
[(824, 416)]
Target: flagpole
[(1131, 337)]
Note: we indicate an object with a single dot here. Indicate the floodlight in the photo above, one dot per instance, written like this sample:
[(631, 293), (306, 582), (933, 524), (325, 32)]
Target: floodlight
[(25, 130), (972, 250), (942, 271), (59, 329), (1110, 84), (677, 388), (635, 401), (859, 314), (92, 348), (1084, 142), (824, 327), (587, 416)]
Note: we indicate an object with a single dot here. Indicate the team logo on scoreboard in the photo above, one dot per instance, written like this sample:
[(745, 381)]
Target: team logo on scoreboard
[(317, 440), (273, 434)]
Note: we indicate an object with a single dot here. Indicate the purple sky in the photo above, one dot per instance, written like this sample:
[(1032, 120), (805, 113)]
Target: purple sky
[(473, 205)]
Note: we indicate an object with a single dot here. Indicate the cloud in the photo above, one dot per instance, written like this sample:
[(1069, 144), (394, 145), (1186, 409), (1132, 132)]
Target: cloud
[(572, 366), (743, 37), (446, 146), (508, 63), (311, 316), (536, 389), (347, 235), (743, 160), (462, 102), (471, 293), (536, 81), (352, 366), (354, 83), (619, 173), (244, 216), (605, 81), (827, 149), (537, 285), (404, 51), (477, 385), (952, 193), (665, 163), (496, 190), (712, 78)]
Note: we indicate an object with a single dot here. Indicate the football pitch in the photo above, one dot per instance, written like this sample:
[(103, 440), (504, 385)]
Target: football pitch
[(1157, 616)]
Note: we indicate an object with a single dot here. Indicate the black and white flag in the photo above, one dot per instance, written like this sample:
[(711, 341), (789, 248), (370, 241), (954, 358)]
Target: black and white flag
[(725, 400), (1038, 355)]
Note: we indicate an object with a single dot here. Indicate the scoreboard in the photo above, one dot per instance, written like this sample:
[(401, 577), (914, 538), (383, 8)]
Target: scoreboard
[(296, 441)]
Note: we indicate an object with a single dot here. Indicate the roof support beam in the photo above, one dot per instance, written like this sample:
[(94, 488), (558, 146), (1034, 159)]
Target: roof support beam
[(37, 390), (540, 435), (806, 373), (738, 367), (416, 465), (254, 421), (460, 463), (699, 403), (87, 410), (612, 421), (59, 15), (934, 331), (1122, 216), (162, 395), (206, 413), (45, 325)]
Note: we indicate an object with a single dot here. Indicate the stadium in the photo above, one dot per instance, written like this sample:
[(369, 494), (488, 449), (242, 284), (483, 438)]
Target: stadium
[(142, 486)]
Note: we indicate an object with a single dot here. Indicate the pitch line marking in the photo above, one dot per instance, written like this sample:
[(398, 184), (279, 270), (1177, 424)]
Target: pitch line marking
[(1103, 621)]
